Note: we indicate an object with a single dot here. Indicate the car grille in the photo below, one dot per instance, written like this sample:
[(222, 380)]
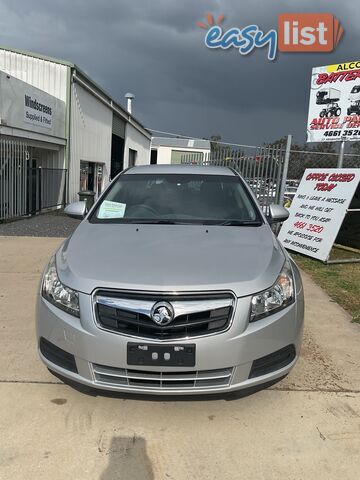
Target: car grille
[(194, 315), (123, 377)]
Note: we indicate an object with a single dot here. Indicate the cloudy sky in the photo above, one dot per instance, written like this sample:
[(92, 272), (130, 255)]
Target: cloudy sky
[(155, 50)]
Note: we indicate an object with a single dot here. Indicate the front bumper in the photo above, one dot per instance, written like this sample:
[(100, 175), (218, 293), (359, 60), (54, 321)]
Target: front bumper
[(224, 362)]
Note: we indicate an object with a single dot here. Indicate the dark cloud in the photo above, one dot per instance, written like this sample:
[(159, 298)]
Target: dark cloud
[(155, 50)]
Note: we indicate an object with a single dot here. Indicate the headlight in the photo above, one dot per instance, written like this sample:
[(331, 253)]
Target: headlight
[(279, 296), (58, 294)]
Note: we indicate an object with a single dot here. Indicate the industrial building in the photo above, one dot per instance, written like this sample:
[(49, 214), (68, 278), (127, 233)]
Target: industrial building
[(174, 150), (60, 133)]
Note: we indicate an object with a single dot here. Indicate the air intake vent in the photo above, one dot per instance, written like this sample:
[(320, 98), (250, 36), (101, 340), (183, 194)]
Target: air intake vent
[(274, 361), (162, 380), (57, 356)]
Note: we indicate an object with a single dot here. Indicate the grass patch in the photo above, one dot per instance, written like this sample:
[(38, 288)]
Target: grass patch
[(340, 281)]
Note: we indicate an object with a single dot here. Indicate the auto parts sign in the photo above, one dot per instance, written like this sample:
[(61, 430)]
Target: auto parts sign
[(334, 106)]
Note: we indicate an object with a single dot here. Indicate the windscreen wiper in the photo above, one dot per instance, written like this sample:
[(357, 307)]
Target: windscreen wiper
[(241, 223), (155, 222)]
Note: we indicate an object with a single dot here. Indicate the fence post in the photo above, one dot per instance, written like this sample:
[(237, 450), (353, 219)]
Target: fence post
[(285, 169), (40, 189), (341, 155), (65, 187)]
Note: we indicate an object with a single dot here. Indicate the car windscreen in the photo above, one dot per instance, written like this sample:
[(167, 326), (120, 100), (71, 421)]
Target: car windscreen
[(178, 199)]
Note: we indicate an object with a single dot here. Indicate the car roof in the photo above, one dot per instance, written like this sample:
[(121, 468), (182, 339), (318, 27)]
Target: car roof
[(180, 169)]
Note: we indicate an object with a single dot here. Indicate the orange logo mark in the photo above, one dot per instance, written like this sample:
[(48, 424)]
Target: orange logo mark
[(308, 32), (211, 21)]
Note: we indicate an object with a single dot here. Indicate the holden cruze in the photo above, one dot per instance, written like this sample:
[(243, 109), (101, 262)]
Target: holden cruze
[(173, 283)]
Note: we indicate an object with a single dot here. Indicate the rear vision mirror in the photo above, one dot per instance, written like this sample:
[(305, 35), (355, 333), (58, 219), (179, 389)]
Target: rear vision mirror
[(76, 210), (278, 213)]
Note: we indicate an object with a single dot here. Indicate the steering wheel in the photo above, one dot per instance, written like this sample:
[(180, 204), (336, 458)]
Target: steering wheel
[(144, 207)]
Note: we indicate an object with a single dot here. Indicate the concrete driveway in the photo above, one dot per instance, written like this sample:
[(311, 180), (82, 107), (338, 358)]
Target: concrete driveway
[(305, 427)]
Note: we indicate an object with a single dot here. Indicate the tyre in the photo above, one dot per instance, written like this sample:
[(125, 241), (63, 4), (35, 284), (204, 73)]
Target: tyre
[(338, 111)]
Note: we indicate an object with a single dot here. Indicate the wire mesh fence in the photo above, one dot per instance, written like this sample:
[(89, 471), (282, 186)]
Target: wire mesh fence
[(300, 160), (261, 168)]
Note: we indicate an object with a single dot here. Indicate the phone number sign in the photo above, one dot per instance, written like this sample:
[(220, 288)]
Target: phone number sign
[(318, 210)]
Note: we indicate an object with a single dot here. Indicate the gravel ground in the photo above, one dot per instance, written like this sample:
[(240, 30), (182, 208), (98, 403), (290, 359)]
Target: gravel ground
[(45, 225)]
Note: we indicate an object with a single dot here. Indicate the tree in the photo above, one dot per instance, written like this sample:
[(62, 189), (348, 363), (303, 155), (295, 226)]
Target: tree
[(214, 142), (281, 142)]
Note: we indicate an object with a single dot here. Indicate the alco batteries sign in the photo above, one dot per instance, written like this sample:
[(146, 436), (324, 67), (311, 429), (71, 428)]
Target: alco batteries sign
[(318, 210), (334, 106)]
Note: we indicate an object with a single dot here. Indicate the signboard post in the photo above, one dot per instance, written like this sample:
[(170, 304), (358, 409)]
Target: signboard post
[(334, 106), (318, 210)]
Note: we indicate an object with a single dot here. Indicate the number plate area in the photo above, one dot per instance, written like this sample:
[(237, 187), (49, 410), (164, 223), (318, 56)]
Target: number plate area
[(161, 355)]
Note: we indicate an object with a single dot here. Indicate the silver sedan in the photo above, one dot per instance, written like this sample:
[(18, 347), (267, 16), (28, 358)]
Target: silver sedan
[(173, 283)]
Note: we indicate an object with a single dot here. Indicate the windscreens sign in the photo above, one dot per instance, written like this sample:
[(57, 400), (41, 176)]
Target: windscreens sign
[(33, 110), (318, 210), (38, 111), (334, 106)]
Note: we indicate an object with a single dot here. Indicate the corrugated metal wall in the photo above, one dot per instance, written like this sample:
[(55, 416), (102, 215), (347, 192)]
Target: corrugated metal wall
[(46, 75), (90, 136), (136, 141)]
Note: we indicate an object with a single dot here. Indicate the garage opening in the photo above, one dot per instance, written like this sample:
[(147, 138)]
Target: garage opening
[(153, 156), (117, 156), (117, 146)]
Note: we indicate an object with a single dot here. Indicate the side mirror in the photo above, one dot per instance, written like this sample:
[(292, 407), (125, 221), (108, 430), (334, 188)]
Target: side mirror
[(278, 213), (76, 210)]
